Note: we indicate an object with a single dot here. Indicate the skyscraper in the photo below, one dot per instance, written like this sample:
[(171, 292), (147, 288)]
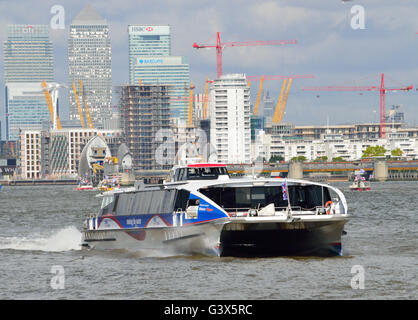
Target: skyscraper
[(89, 60), (28, 54), (150, 62), (28, 60), (230, 129)]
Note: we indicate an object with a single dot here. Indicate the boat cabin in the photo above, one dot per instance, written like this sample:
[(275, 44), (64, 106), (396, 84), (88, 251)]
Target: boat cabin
[(199, 171)]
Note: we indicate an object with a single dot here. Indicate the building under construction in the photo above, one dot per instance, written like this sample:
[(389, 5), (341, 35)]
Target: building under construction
[(144, 112)]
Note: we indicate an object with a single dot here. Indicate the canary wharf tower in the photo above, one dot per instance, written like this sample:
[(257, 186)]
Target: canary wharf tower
[(89, 60)]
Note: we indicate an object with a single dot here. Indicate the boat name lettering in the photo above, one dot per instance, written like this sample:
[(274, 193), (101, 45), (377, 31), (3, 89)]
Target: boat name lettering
[(133, 221)]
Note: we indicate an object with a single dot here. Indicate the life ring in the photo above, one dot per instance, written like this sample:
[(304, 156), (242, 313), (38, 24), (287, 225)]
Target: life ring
[(328, 209)]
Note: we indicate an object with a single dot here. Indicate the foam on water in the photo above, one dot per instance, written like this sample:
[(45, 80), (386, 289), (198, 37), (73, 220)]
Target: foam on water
[(65, 239)]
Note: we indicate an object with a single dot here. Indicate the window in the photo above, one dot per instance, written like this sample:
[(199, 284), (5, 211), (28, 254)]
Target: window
[(146, 202)]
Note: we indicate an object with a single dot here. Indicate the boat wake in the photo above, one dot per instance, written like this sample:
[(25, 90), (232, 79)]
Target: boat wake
[(65, 239)]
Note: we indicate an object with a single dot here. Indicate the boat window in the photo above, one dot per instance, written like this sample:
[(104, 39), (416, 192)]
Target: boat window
[(181, 199), (206, 172), (151, 202), (107, 200), (107, 204), (182, 175), (306, 197)]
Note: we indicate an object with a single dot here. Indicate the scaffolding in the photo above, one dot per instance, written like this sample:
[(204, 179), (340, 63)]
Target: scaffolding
[(144, 111)]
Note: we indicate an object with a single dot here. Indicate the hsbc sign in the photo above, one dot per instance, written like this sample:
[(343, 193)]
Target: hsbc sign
[(148, 30)]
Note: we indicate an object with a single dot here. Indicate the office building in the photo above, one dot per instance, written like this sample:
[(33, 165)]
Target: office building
[(28, 60), (89, 60), (28, 54), (26, 108), (150, 62)]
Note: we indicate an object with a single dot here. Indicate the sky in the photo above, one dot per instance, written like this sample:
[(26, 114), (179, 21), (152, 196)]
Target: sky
[(332, 45)]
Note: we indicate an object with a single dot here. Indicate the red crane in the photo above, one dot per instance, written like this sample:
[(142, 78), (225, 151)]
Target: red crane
[(220, 46), (382, 90)]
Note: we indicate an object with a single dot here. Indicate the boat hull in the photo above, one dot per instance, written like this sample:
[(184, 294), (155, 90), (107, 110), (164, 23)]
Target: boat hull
[(320, 238), (203, 238), (84, 188), (360, 189)]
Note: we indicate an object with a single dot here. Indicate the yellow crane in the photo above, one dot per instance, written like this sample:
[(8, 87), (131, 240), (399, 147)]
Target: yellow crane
[(80, 111), (257, 101), (48, 99), (205, 100), (190, 113), (86, 107), (281, 104)]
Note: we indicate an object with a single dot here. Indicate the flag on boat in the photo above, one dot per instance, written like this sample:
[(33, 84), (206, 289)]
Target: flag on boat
[(284, 190)]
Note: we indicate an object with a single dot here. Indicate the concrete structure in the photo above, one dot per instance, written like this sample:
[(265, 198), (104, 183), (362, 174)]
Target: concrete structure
[(295, 170), (381, 171), (89, 60), (229, 109)]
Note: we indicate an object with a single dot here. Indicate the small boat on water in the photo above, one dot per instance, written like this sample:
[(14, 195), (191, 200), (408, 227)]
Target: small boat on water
[(360, 184), (83, 185), (202, 210)]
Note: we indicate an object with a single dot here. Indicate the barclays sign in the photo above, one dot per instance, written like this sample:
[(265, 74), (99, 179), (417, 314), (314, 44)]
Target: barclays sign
[(142, 61)]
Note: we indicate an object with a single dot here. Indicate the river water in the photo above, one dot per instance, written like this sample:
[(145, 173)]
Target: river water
[(40, 255)]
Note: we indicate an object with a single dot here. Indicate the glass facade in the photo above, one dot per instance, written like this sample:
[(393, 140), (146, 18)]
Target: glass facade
[(28, 60), (26, 107), (28, 54)]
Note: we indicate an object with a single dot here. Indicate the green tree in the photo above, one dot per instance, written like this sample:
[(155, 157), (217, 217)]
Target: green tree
[(274, 159), (321, 159), (337, 159), (396, 152), (299, 159), (374, 151)]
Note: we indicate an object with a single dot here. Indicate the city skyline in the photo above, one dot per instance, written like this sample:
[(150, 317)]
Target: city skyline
[(328, 47)]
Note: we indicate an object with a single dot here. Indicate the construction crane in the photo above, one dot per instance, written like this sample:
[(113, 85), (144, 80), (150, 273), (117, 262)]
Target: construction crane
[(205, 100), (190, 112), (271, 77), (382, 90), (80, 111), (52, 103), (281, 104), (220, 46), (188, 99), (86, 107)]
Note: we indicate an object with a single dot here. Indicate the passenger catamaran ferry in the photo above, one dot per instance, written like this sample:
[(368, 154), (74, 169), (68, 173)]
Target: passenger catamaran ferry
[(202, 210)]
